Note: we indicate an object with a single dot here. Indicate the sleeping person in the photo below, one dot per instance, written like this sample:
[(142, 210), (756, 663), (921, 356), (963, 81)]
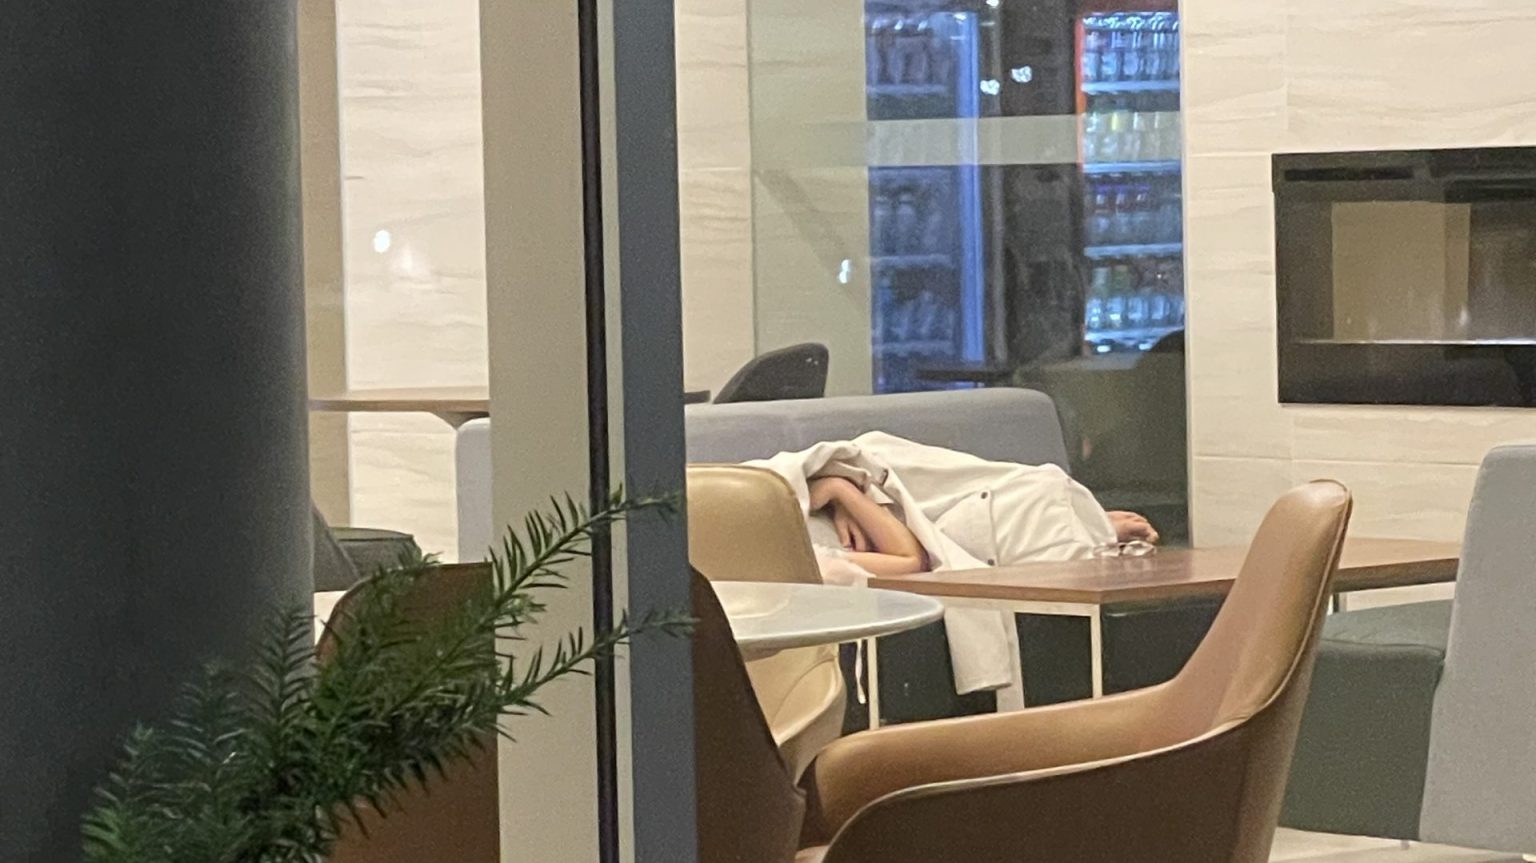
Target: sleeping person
[(884, 505)]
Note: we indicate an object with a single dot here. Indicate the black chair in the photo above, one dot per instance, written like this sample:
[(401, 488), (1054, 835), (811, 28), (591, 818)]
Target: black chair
[(346, 555), (795, 372)]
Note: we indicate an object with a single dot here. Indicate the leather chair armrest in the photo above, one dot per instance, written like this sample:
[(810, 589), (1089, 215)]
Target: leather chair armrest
[(859, 769), (1175, 804)]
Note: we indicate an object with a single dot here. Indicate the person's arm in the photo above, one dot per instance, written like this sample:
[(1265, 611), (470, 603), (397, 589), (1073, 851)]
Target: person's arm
[(874, 538)]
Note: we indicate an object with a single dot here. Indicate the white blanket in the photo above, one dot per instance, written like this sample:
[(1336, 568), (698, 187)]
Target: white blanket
[(968, 513)]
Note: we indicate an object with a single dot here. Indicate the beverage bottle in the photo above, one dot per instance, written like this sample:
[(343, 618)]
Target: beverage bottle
[(1152, 65), (880, 224), (1175, 59), (1100, 220), (1144, 221), (1173, 214), (908, 227), (1109, 58), (895, 61), (1119, 289), (1122, 228), (918, 70), (886, 299), (1135, 49), (1158, 300), (1139, 144), (1114, 133), (1175, 271), (1098, 292), (1094, 124), (1137, 307), (934, 231), (874, 50), (1093, 47)]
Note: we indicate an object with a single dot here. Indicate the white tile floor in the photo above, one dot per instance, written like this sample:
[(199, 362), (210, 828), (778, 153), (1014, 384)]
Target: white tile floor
[(1298, 847)]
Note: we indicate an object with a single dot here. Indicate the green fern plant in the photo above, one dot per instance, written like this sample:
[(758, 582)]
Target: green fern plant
[(269, 763)]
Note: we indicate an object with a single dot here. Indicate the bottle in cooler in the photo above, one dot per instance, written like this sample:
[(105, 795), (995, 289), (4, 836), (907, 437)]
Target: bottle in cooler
[(1135, 49), (1101, 218), (1119, 289), (1140, 142), (1171, 213), (1095, 125), (918, 70), (908, 224), (1122, 216), (1098, 294), (1175, 60), (1144, 221), (1153, 67), (1093, 48), (1113, 51), (881, 225), (874, 49)]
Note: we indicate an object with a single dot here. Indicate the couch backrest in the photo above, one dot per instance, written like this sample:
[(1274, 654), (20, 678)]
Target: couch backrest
[(1000, 424)]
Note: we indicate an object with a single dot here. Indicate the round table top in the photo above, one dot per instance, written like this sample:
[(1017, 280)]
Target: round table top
[(767, 617)]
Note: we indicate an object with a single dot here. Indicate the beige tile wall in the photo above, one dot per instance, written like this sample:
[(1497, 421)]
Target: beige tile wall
[(413, 232), (714, 155), (1266, 76)]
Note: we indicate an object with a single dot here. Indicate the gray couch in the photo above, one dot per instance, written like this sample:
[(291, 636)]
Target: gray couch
[(1420, 722), (999, 424)]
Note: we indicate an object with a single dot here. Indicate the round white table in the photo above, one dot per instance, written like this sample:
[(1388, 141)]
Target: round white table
[(768, 617)]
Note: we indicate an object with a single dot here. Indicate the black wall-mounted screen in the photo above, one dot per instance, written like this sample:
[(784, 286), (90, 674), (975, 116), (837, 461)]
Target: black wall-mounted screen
[(1407, 277)]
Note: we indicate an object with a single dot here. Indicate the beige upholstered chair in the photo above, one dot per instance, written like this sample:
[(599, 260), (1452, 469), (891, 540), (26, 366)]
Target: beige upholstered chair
[(1190, 771), (744, 524), (749, 810), (457, 818)]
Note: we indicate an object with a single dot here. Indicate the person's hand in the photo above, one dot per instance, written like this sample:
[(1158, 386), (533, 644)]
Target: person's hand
[(828, 489), (849, 533), (1130, 526)]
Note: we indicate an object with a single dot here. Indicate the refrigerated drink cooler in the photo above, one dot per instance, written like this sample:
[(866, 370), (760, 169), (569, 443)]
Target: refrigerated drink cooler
[(997, 267), (1064, 273)]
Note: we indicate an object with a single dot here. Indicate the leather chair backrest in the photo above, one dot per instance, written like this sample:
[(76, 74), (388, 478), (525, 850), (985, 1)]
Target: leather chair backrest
[(745, 524), (749, 810), (1271, 616), (455, 818), (1482, 753)]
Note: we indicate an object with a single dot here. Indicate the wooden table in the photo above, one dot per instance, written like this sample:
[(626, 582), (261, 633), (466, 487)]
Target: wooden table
[(453, 405), (1081, 588)]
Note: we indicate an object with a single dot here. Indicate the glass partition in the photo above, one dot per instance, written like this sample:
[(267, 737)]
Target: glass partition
[(981, 194)]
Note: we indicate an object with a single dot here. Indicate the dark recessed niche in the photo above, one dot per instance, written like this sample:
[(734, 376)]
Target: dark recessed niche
[(1407, 277)]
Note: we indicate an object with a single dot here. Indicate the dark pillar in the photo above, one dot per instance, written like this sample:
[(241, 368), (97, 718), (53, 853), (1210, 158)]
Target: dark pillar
[(153, 489)]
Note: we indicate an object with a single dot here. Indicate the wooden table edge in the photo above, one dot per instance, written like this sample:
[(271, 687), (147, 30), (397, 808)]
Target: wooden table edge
[(1378, 577)]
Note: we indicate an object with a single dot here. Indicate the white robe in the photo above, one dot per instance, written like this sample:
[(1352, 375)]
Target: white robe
[(968, 513)]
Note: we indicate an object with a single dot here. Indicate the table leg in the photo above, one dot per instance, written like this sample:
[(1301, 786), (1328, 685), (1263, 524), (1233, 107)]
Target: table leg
[(872, 674), (1096, 647)]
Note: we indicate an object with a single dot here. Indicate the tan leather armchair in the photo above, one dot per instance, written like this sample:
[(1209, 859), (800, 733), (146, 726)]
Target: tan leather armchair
[(1190, 771), (455, 818), (749, 810), (744, 524)]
